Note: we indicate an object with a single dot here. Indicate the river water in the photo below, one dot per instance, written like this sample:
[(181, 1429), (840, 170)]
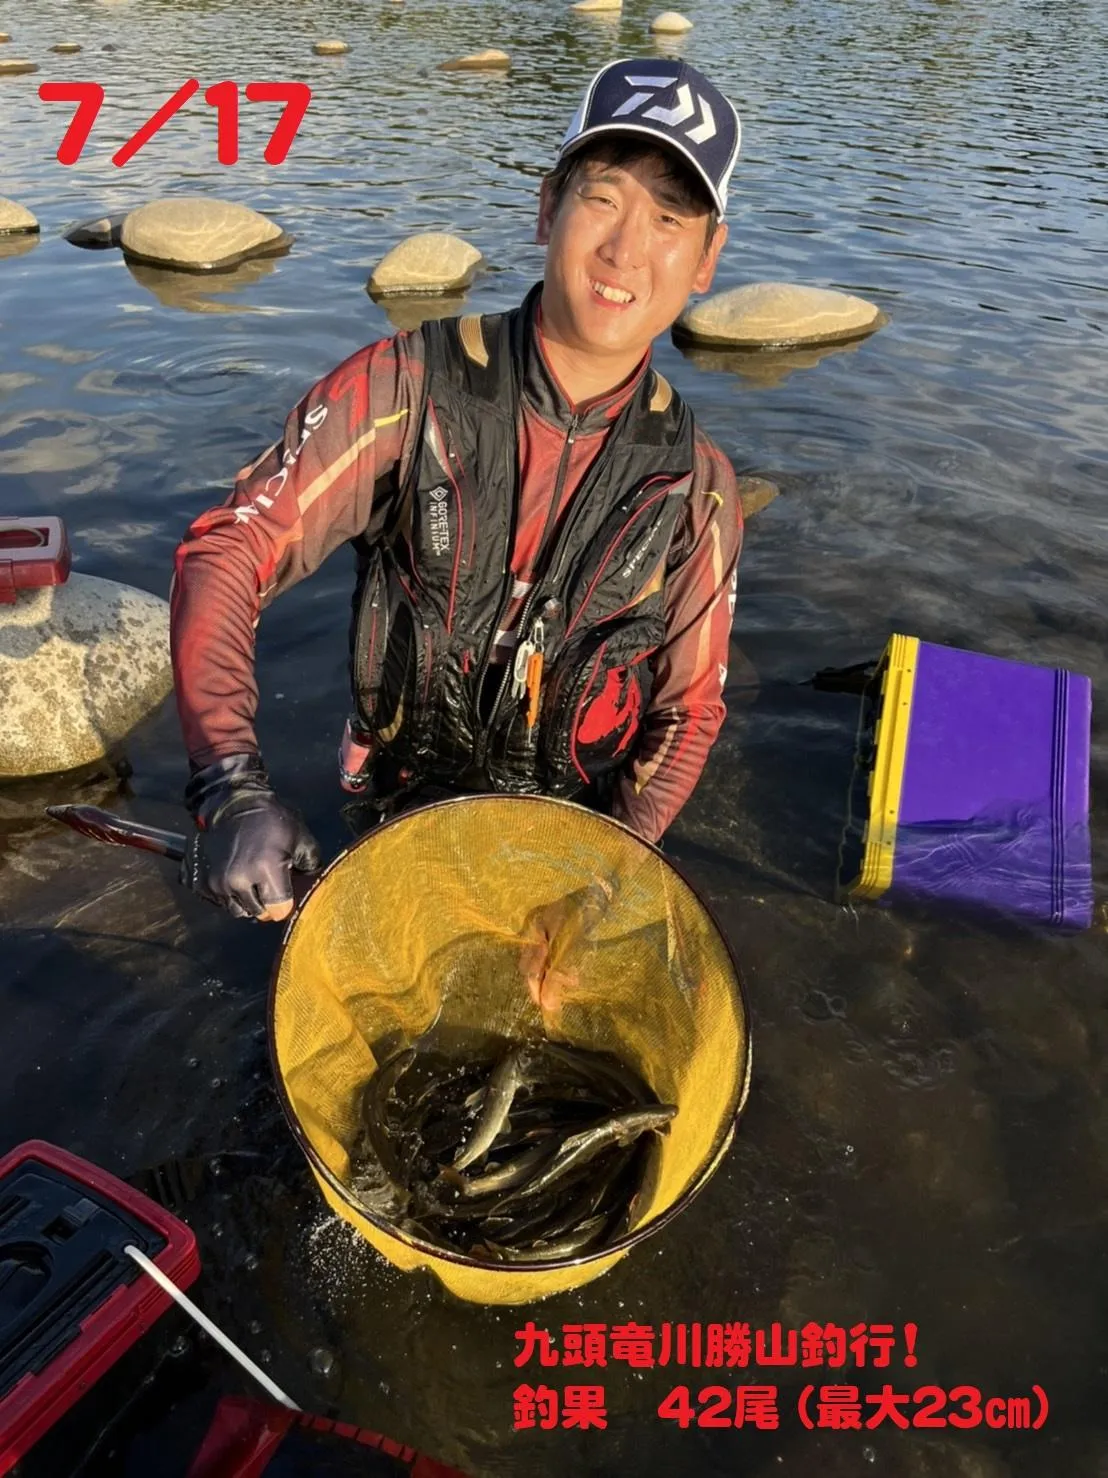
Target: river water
[(927, 1135)]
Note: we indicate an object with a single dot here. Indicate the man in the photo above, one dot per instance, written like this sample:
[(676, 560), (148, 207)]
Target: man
[(546, 543)]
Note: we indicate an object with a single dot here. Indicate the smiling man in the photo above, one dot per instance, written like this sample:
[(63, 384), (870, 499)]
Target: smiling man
[(546, 543)]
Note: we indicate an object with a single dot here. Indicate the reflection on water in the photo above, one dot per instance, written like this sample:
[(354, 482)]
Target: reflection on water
[(926, 1137), (409, 311), (196, 291), (18, 246), (762, 367)]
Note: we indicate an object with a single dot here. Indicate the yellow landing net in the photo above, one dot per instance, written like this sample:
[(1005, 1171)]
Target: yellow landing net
[(508, 917)]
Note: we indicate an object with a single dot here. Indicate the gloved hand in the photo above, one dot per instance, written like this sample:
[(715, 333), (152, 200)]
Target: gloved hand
[(246, 841)]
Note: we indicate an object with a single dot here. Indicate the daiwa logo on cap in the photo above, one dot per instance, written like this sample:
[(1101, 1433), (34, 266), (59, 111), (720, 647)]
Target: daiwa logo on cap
[(675, 104), (685, 109)]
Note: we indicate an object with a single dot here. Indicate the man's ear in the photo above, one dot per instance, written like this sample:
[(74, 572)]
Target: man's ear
[(707, 269), (546, 214)]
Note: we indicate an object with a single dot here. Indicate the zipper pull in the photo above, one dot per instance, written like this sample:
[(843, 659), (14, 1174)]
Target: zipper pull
[(524, 653)]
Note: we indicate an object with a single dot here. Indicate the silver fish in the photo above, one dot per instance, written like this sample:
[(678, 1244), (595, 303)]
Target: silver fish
[(508, 1077), (577, 1241), (579, 1149), (505, 1177)]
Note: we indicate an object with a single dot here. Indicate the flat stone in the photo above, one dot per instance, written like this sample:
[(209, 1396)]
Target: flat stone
[(4, 37), (431, 262), (80, 665), (776, 313), (330, 48), (16, 66), (98, 234), (66, 48), (756, 493), (591, 7), (15, 219), (194, 234), (479, 61), (670, 23)]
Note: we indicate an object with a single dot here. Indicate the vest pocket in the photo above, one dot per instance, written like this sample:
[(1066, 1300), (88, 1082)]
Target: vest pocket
[(595, 700)]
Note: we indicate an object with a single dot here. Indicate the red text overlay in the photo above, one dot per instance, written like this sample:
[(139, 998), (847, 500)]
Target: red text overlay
[(222, 96), (726, 1346), (837, 1408)]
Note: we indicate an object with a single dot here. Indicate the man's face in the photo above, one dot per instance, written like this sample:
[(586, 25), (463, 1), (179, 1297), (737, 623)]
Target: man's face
[(624, 252)]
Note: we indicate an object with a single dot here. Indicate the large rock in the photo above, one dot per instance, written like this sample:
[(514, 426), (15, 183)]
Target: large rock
[(80, 665), (775, 313), (670, 23), (330, 48), (479, 61), (429, 263), (98, 234), (756, 493), (193, 234), (16, 66), (15, 219)]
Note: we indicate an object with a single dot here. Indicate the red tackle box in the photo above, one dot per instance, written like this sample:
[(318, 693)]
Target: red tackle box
[(33, 552), (71, 1301)]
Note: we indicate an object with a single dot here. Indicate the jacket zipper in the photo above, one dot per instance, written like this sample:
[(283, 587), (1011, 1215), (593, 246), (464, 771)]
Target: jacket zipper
[(528, 604), (481, 747)]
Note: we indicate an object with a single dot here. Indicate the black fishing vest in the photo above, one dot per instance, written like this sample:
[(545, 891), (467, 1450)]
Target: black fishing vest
[(434, 589)]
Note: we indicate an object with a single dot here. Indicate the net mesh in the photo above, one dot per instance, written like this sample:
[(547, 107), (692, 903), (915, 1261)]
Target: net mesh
[(512, 918)]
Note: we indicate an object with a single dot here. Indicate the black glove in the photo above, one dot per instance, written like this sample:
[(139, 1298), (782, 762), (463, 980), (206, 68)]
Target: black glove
[(246, 840)]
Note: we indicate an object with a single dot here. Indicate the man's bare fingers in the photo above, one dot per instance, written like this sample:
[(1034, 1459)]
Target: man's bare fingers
[(273, 913)]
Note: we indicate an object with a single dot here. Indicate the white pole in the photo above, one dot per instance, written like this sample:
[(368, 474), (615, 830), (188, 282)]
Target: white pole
[(205, 1323)]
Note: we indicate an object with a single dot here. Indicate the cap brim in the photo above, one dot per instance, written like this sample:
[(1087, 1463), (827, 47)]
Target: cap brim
[(720, 202)]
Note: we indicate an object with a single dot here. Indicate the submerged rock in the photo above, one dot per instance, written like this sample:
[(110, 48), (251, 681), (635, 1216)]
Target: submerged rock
[(193, 234), (80, 665), (479, 61), (16, 66), (778, 313), (104, 232), (431, 262), (15, 219), (670, 23), (756, 493), (330, 48)]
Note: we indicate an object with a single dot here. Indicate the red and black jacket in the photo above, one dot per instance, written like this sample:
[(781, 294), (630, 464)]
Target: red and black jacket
[(432, 592)]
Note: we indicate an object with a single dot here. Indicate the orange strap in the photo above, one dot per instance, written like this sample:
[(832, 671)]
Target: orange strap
[(534, 684)]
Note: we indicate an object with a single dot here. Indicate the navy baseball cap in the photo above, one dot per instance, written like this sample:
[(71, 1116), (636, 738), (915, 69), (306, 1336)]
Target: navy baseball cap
[(668, 101)]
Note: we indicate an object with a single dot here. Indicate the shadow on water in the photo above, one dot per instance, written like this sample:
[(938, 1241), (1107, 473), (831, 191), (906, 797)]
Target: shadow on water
[(794, 750)]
